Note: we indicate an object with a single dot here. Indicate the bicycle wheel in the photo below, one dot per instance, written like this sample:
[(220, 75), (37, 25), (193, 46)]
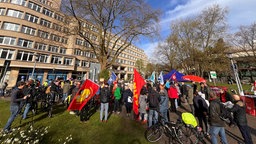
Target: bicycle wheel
[(188, 135), (154, 133)]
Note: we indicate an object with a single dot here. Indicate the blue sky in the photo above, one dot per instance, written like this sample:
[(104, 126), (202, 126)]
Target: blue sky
[(240, 12)]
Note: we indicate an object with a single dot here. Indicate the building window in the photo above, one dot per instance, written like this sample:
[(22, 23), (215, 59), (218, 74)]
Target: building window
[(45, 23), (24, 56), (55, 38), (78, 52), (43, 34), (10, 26), (34, 6), (78, 63), (85, 64), (53, 48), (28, 30), (47, 12), (42, 58), (19, 2), (31, 18), (4, 0), (43, 1), (56, 60), (65, 30), (14, 13), (2, 11), (58, 17), (63, 50), (67, 61), (64, 40), (25, 43), (7, 40), (79, 42), (40, 46), (6, 54), (56, 27)]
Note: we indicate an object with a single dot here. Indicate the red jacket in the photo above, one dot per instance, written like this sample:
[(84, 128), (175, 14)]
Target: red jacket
[(173, 92)]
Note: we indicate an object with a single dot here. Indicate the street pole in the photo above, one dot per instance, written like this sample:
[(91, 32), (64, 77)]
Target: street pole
[(33, 71)]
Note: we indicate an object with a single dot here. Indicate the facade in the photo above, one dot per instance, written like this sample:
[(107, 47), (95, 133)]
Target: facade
[(34, 43)]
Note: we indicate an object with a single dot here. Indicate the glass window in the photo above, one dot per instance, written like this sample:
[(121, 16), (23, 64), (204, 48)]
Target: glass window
[(14, 13), (58, 17), (25, 43), (10, 26), (3, 0), (45, 23), (40, 46), (63, 50), (2, 11), (42, 58), (56, 27), (47, 12), (24, 56), (7, 40), (31, 18), (85, 64), (55, 38), (28, 30), (19, 2), (53, 48), (43, 1), (34, 6), (68, 61), (56, 60), (79, 42), (78, 63), (6, 54), (43, 34), (64, 40)]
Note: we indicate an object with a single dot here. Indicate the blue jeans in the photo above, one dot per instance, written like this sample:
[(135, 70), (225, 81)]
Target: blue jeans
[(164, 114), (215, 131), (64, 96), (103, 107), (153, 116), (27, 107), (14, 112)]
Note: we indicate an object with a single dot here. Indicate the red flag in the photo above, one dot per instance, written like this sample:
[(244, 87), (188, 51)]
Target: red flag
[(138, 83), (85, 93)]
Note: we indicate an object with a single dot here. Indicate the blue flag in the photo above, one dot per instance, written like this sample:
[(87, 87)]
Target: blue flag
[(152, 77), (112, 78), (161, 78)]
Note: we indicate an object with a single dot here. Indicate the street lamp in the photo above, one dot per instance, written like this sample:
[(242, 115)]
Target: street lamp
[(234, 67), (33, 71)]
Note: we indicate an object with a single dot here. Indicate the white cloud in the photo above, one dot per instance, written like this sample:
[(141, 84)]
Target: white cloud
[(148, 48)]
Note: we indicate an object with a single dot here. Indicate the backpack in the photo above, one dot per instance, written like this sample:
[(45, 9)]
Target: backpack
[(104, 95), (153, 99)]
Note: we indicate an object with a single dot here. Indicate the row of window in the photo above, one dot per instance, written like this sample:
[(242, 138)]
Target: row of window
[(32, 31), (29, 44), (37, 7), (84, 53), (34, 19), (28, 56)]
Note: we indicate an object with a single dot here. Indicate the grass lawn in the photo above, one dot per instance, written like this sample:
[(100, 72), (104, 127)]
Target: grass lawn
[(118, 129)]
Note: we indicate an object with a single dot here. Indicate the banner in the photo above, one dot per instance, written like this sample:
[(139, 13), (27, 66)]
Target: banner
[(173, 77), (112, 78), (84, 94), (152, 77), (138, 83)]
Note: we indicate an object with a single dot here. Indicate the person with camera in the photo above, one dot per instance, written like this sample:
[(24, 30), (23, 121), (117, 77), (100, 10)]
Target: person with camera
[(17, 96)]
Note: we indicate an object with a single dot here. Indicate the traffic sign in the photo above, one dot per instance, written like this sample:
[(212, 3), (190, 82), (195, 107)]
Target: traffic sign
[(213, 74)]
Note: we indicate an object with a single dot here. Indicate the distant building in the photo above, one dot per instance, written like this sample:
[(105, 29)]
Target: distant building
[(34, 41)]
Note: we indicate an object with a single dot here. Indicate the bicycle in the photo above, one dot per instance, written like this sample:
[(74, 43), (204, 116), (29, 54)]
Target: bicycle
[(180, 132)]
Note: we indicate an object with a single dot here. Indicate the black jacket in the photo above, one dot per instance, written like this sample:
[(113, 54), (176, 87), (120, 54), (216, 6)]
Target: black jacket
[(214, 113), (201, 108), (104, 95), (16, 97), (239, 113)]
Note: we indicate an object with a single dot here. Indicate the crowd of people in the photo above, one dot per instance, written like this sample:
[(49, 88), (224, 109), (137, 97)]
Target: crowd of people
[(154, 98)]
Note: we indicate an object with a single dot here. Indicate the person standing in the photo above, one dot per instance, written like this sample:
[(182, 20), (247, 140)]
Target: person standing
[(128, 100), (104, 102), (17, 97), (190, 98), (153, 101), (205, 90), (239, 114), (117, 95), (163, 102), (216, 124), (173, 96), (28, 89), (143, 105), (65, 88)]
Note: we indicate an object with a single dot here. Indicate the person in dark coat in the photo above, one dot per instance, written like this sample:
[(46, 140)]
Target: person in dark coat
[(29, 89), (201, 111), (239, 114), (216, 124), (104, 100), (128, 100), (225, 96)]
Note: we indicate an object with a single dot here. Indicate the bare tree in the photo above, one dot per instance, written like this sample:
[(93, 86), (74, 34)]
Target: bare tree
[(113, 25)]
